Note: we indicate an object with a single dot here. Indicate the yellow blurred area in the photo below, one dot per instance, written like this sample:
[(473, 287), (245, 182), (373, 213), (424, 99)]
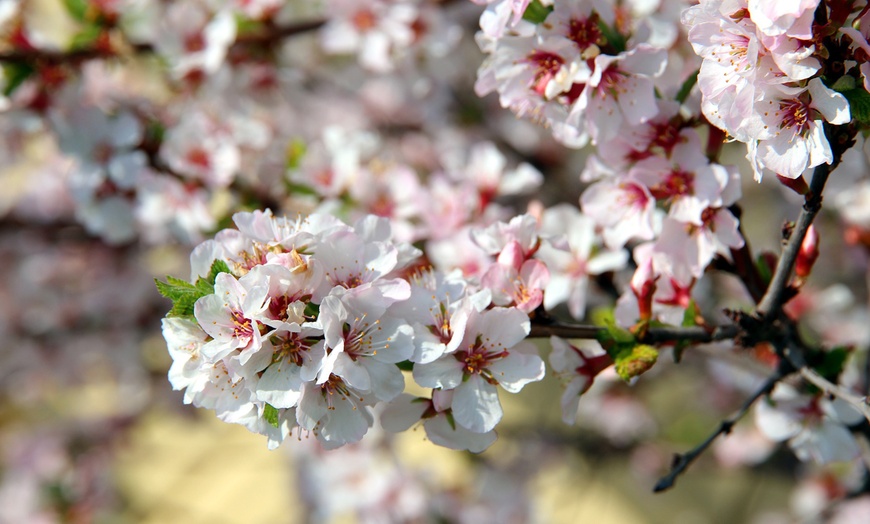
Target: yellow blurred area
[(200, 470)]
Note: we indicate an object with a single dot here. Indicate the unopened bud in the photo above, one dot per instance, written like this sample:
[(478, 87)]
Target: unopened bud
[(643, 285), (798, 185), (808, 253)]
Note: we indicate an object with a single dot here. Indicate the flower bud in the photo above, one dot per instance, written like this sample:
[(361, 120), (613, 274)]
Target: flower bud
[(808, 253), (643, 285)]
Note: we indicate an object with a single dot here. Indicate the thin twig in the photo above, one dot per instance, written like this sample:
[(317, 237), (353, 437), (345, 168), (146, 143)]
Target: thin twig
[(682, 461), (653, 335), (836, 390), (774, 297), (269, 36)]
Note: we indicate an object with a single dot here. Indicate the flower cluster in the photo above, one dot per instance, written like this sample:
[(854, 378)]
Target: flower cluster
[(575, 71), (761, 81), (306, 323)]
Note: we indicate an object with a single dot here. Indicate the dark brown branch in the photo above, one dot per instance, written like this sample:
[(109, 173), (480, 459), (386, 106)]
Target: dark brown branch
[(653, 335), (683, 461), (276, 33), (269, 36), (775, 296)]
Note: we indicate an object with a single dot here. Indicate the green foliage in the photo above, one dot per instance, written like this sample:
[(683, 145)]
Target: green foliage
[(629, 357), (184, 295), (614, 38), (312, 310), (688, 321), (833, 362), (687, 86), (78, 9), (270, 415), (635, 360), (765, 270), (86, 37), (296, 149), (859, 105), (405, 365), (536, 12), (15, 74)]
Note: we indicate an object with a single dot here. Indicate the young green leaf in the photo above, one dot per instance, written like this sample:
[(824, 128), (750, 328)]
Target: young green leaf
[(634, 361), (270, 415), (536, 12)]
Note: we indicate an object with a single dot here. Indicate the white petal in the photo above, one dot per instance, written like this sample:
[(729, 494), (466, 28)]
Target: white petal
[(521, 366), (403, 412), (445, 373), (280, 385), (475, 405), (440, 432), (831, 104)]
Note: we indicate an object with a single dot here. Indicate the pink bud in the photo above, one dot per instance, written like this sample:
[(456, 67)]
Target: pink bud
[(808, 253), (643, 284), (798, 185)]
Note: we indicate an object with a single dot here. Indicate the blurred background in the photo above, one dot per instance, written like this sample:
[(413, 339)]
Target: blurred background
[(228, 105)]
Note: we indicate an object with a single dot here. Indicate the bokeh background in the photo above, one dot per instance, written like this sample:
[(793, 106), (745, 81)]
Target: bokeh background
[(91, 431)]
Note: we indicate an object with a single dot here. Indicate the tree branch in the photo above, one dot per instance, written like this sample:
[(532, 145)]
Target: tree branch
[(683, 461), (775, 296), (836, 390), (269, 36), (653, 335)]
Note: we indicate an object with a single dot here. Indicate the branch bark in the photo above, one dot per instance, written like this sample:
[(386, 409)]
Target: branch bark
[(653, 335), (684, 460), (774, 298)]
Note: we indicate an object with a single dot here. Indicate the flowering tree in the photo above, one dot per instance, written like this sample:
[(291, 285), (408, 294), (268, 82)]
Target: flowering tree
[(366, 255)]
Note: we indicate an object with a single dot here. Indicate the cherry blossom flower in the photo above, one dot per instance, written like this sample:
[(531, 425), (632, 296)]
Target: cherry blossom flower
[(438, 421), (571, 268), (364, 343), (799, 141), (620, 90), (576, 367), (375, 29), (624, 208), (515, 280), (438, 310), (491, 354), (814, 426), (228, 316)]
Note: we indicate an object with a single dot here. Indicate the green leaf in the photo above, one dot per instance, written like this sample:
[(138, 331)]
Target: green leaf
[(859, 105), (845, 83), (296, 149), (14, 75), (613, 336), (688, 321), (536, 12), (765, 271), (450, 419), (218, 266), (270, 415), (86, 37), (405, 365), (312, 310), (78, 9), (833, 363), (634, 361), (184, 295), (687, 86), (614, 37)]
